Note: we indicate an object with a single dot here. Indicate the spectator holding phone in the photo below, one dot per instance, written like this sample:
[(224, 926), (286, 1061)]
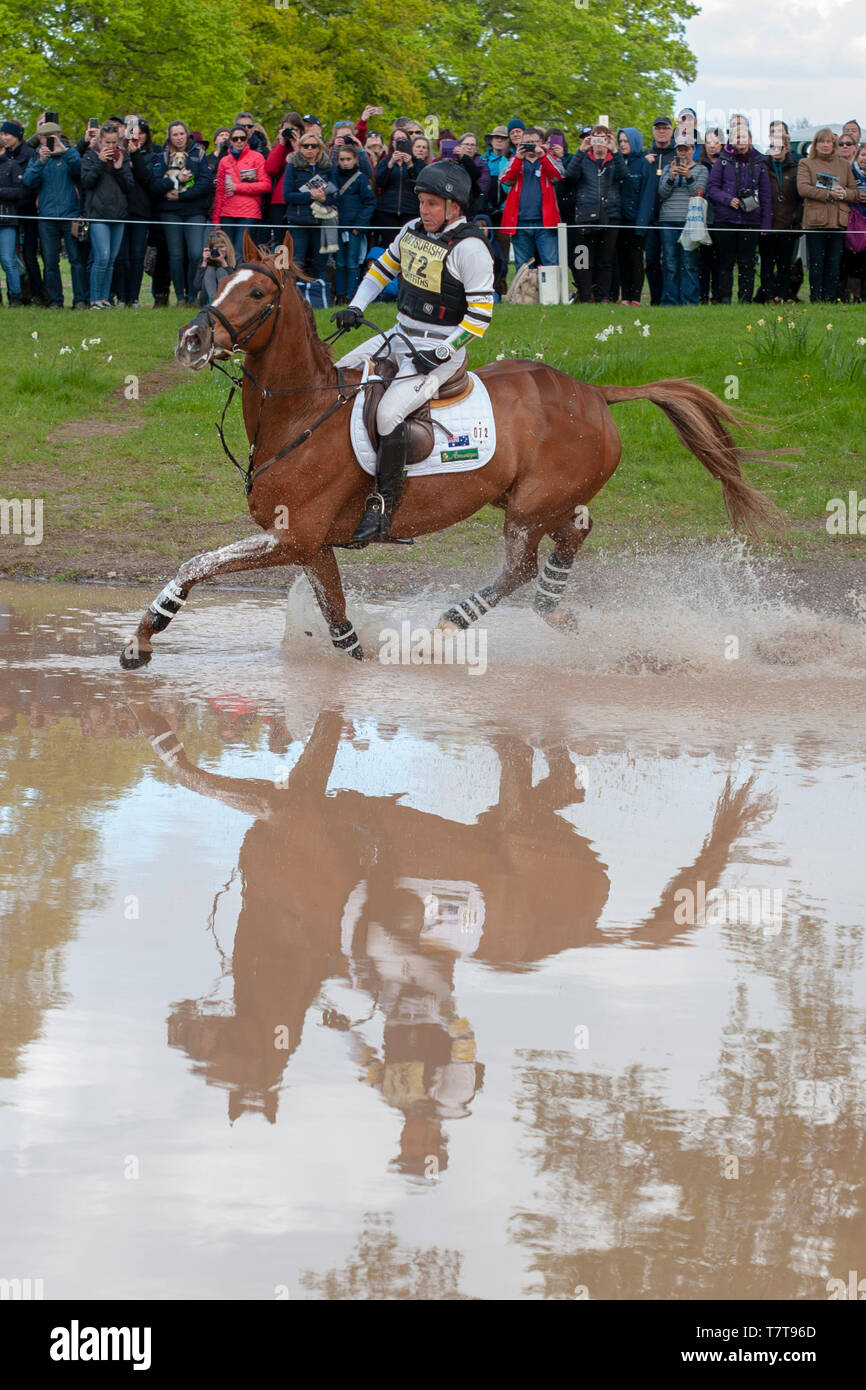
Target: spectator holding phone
[(53, 175), (107, 181), (827, 186), (777, 251), (182, 183), (308, 182), (598, 171), (241, 185), (531, 212), (681, 181), (285, 144), (396, 173), (739, 187)]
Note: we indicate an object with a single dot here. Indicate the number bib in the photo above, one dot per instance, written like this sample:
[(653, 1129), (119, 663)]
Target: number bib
[(422, 262)]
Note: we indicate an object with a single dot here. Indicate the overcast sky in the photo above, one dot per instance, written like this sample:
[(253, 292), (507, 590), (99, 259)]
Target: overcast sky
[(789, 57)]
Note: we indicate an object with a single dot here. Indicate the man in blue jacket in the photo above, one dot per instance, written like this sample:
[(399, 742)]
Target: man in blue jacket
[(637, 198), (53, 174)]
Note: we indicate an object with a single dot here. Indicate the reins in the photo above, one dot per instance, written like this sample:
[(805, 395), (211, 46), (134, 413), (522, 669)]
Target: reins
[(249, 330)]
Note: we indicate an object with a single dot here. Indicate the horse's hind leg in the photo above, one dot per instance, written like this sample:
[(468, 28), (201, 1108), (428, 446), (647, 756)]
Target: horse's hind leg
[(567, 540), (521, 565), (253, 552), (324, 577)]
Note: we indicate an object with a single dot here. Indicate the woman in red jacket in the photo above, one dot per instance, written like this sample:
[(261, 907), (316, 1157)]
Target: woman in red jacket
[(241, 184)]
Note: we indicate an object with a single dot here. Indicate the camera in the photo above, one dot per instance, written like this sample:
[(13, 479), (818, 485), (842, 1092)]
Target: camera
[(52, 142), (289, 135), (530, 146), (749, 201), (52, 116)]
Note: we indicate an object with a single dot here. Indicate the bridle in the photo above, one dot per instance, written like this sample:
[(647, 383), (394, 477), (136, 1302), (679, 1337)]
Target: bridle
[(243, 334)]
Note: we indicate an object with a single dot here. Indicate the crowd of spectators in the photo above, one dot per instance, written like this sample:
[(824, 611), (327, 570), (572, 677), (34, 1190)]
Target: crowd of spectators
[(122, 205)]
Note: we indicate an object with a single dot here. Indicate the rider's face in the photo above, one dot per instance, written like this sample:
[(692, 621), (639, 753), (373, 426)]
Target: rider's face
[(433, 211)]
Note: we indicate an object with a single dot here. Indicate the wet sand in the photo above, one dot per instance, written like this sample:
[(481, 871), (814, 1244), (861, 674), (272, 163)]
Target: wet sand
[(388, 980)]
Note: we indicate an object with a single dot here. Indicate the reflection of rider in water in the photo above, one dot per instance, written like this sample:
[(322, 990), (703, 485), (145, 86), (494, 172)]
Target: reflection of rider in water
[(427, 1065)]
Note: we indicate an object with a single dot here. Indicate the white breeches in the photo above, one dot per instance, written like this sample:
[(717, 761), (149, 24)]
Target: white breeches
[(408, 390)]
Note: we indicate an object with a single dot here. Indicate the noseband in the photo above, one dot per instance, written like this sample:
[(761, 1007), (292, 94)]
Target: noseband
[(249, 330)]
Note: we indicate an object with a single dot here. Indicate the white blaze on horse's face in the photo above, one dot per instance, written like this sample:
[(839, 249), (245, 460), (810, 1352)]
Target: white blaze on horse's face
[(237, 279)]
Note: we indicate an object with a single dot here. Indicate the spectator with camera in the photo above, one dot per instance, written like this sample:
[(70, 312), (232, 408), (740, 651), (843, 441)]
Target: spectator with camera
[(53, 174), (598, 171), (344, 136), (129, 265), (217, 263), (106, 181), (827, 186), (531, 212), (285, 144), (739, 188), (777, 251), (682, 180), (309, 189), (14, 198), (396, 173), (637, 200), (182, 183), (241, 185), (356, 204)]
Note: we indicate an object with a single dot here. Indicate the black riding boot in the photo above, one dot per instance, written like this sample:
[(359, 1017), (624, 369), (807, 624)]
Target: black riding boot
[(390, 464)]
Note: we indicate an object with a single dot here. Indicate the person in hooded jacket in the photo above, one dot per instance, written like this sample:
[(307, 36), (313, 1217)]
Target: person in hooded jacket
[(53, 174), (598, 171), (637, 196), (356, 204), (182, 183)]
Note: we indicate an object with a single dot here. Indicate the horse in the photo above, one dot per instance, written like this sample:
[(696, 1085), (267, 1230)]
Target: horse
[(556, 446)]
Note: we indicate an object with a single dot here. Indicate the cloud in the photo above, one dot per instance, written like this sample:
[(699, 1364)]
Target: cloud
[(800, 58)]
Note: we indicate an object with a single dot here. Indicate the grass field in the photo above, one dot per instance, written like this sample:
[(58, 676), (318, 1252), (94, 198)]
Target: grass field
[(121, 445)]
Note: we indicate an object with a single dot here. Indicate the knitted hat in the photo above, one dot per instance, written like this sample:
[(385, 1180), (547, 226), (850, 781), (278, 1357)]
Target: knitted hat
[(12, 128), (516, 124)]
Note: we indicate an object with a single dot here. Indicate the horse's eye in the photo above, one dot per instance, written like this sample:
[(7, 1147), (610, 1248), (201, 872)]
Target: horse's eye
[(256, 293)]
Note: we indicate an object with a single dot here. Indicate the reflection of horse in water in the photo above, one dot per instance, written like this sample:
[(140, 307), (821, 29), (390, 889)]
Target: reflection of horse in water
[(343, 884)]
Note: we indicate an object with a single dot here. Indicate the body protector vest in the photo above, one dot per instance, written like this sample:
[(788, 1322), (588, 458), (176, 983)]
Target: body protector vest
[(428, 291)]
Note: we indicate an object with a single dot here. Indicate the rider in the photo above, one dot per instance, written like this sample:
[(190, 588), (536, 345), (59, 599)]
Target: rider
[(444, 300)]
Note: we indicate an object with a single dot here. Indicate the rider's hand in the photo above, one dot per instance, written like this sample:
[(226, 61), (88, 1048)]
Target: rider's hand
[(350, 317), (426, 361)]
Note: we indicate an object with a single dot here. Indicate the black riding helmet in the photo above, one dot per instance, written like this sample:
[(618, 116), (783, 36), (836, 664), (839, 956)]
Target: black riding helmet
[(445, 180)]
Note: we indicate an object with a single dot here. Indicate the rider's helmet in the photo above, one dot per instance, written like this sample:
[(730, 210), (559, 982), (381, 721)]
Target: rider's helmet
[(445, 180)]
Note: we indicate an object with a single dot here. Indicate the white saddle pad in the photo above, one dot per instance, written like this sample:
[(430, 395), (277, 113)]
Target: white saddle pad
[(464, 435)]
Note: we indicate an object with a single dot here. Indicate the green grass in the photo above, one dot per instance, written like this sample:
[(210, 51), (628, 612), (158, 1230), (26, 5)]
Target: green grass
[(144, 480)]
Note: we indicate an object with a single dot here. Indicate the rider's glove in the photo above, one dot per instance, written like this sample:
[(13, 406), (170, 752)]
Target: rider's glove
[(428, 361), (350, 317)]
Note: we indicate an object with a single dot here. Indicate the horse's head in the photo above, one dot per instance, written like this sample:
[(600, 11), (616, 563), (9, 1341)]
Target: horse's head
[(244, 313)]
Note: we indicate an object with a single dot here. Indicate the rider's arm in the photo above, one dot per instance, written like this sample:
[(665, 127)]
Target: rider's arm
[(472, 263), (379, 274)]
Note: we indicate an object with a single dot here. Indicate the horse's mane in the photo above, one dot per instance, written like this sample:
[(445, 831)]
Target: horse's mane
[(321, 351)]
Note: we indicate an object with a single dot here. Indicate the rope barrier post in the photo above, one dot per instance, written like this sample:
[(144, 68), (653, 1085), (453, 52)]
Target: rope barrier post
[(562, 256)]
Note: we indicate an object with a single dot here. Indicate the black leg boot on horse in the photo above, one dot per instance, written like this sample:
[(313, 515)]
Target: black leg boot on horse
[(393, 454)]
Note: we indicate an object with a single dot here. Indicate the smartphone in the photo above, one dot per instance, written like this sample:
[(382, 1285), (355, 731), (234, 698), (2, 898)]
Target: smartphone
[(52, 142), (603, 120), (93, 123)]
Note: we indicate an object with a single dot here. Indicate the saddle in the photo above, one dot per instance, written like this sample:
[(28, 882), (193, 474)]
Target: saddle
[(420, 422)]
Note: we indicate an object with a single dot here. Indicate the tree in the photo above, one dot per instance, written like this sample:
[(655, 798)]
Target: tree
[(160, 58)]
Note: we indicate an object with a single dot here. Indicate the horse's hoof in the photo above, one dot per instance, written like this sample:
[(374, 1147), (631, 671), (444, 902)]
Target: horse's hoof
[(562, 621), (133, 657)]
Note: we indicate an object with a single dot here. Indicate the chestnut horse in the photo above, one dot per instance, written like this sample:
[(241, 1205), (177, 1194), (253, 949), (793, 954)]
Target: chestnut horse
[(557, 444)]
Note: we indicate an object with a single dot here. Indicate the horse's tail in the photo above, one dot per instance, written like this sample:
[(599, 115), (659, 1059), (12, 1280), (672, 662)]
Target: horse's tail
[(700, 420)]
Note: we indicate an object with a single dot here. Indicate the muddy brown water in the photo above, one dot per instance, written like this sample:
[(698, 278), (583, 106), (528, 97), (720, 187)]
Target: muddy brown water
[(322, 980)]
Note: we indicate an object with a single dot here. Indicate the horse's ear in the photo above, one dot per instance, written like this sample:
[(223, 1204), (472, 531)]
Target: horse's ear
[(290, 247), (251, 251)]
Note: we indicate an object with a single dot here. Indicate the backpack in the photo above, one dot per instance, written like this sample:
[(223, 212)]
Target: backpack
[(524, 286)]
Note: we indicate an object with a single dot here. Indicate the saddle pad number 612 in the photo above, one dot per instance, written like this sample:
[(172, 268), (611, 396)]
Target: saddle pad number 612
[(421, 262)]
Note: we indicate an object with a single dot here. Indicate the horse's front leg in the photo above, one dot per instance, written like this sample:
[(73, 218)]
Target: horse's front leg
[(253, 552), (324, 576)]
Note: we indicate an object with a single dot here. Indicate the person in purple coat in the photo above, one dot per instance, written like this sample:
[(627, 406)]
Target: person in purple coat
[(739, 189)]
